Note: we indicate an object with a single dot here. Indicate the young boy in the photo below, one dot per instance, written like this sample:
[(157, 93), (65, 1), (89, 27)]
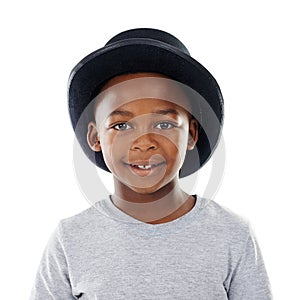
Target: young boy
[(147, 112)]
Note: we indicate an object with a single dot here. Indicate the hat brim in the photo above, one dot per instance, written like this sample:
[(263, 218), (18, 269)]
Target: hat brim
[(145, 55)]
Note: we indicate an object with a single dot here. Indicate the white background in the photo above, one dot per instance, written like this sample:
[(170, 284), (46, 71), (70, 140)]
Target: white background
[(252, 49)]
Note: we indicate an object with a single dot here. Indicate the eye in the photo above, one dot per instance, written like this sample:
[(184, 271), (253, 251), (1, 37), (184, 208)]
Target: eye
[(164, 125), (122, 126)]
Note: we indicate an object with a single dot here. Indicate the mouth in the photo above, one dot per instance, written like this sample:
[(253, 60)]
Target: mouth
[(143, 168)]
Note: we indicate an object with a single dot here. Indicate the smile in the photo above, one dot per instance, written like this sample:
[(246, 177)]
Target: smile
[(145, 167)]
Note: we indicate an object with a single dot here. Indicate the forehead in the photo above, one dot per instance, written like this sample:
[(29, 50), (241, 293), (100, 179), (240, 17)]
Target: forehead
[(141, 91)]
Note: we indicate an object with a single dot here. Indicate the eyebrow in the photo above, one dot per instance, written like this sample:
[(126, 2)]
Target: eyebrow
[(127, 113), (166, 111)]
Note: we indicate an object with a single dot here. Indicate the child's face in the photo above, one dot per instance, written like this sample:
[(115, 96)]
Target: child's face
[(144, 140)]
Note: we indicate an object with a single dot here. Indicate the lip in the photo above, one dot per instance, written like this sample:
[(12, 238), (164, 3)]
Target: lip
[(154, 166), (145, 162)]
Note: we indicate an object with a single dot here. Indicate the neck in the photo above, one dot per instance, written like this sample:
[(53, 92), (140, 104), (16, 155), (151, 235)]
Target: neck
[(163, 204)]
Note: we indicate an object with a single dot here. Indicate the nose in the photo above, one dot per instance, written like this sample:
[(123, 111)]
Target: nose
[(144, 143)]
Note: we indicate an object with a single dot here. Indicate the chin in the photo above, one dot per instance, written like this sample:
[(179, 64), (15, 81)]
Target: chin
[(153, 189)]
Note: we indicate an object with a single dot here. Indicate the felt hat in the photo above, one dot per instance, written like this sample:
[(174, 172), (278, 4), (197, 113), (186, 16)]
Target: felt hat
[(147, 50)]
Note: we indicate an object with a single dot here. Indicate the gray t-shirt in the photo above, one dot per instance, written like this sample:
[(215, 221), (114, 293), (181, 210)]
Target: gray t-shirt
[(209, 253)]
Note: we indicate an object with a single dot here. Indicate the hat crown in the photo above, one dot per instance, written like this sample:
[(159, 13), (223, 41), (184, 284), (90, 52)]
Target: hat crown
[(149, 33)]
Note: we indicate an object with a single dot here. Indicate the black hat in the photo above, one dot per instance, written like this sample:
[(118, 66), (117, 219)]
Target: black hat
[(147, 50)]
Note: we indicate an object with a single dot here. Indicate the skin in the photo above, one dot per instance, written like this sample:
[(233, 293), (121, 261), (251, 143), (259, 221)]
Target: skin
[(144, 131)]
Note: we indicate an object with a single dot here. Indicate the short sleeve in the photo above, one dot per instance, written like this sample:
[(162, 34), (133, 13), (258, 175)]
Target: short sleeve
[(52, 280), (249, 279)]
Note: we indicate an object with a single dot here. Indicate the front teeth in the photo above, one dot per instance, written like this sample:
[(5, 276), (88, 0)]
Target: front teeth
[(144, 167)]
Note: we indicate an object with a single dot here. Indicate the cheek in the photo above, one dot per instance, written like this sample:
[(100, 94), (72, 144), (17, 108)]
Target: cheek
[(114, 146), (174, 148), (179, 147), (178, 140)]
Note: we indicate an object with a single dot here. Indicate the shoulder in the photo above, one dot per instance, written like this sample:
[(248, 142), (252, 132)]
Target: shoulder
[(225, 215), (84, 222), (223, 221)]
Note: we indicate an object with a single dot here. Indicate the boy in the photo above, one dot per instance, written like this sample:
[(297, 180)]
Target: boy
[(145, 111)]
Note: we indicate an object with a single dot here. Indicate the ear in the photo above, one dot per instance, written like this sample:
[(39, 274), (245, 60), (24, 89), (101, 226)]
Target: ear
[(193, 134), (92, 137)]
